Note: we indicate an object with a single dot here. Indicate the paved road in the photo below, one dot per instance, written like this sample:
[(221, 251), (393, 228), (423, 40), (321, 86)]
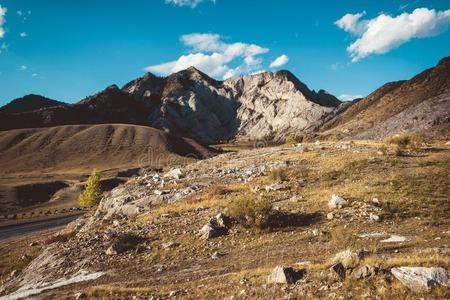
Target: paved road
[(16, 231)]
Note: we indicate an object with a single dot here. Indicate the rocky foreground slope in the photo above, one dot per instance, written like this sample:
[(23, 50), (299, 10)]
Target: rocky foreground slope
[(347, 220)]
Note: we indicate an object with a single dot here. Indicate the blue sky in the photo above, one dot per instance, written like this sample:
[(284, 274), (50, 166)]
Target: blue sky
[(67, 50)]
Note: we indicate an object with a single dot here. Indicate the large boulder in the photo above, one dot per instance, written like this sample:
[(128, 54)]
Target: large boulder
[(421, 277), (281, 274), (215, 227)]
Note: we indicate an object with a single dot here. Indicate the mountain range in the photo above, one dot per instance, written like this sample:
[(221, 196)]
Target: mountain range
[(266, 105)]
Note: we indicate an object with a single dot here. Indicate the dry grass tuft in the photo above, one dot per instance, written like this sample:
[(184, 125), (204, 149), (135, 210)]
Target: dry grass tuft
[(278, 175), (250, 210)]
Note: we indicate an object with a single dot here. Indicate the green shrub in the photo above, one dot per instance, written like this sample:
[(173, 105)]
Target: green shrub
[(250, 210), (292, 139), (92, 193)]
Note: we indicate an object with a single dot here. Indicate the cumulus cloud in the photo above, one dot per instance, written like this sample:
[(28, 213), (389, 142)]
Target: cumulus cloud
[(279, 61), (23, 34), (2, 21), (189, 3), (213, 56), (384, 33), (23, 68), (348, 97)]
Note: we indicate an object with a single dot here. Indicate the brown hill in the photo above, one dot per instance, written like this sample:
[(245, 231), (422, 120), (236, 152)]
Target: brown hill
[(421, 104), (84, 147), (29, 103), (109, 106)]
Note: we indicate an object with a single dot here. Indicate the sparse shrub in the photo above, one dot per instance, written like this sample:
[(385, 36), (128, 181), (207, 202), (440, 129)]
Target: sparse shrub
[(218, 190), (250, 210), (405, 141), (384, 150), (399, 151), (292, 139), (59, 238), (278, 175), (343, 238), (92, 193)]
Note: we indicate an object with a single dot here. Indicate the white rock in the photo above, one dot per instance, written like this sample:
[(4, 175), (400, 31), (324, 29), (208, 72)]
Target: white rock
[(374, 217), (347, 258), (174, 173), (394, 238), (336, 202), (421, 277), (281, 274), (330, 216), (275, 187)]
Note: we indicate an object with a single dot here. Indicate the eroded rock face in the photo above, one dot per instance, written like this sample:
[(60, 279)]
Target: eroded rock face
[(250, 107)]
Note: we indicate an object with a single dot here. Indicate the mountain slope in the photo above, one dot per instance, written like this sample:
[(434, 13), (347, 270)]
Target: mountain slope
[(419, 104), (109, 106), (190, 103), (29, 103), (84, 147)]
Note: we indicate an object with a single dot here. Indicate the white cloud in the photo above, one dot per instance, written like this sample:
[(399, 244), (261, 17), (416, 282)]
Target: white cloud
[(23, 34), (23, 68), (212, 55), (3, 11), (279, 61), (189, 3), (348, 97), (384, 33), (351, 22)]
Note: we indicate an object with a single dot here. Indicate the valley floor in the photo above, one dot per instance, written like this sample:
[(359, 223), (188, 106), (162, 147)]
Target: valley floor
[(399, 197)]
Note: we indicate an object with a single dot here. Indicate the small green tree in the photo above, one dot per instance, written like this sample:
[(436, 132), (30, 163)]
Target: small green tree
[(292, 139), (92, 192)]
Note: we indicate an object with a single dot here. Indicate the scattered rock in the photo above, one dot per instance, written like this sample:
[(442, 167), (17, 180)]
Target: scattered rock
[(347, 258), (33, 243), (282, 274), (217, 226), (376, 202), (364, 272), (337, 271), (160, 192), (169, 245), (394, 238), (14, 273), (336, 202), (80, 296), (174, 173), (216, 255), (222, 220), (421, 277), (330, 216), (374, 217), (275, 187), (114, 249)]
